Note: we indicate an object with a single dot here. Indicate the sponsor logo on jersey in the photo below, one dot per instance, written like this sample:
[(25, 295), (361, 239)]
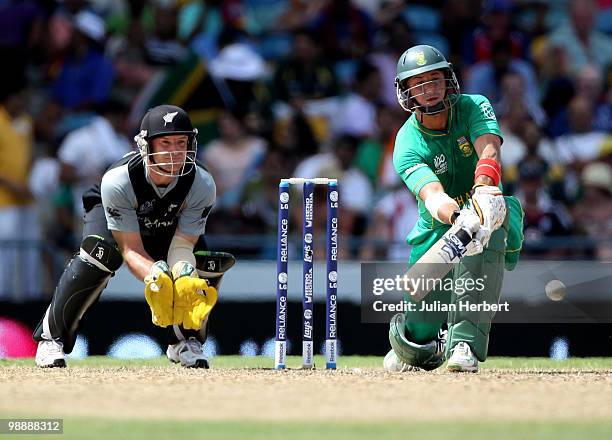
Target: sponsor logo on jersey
[(145, 208), (113, 213), (168, 117), (464, 146), (487, 111), (440, 164)]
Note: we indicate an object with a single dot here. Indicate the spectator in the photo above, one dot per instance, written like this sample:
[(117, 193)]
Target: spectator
[(307, 88), (260, 197), (345, 30), (582, 143), (355, 190), (392, 219), (233, 157), (594, 211), (162, 47), (295, 137), (304, 75), (485, 77), (497, 27), (130, 60), (375, 154), (587, 83), (357, 113), (106, 136), (86, 77), (557, 85), (18, 221), (515, 109), (395, 37), (21, 30), (579, 38), (544, 218), (460, 19)]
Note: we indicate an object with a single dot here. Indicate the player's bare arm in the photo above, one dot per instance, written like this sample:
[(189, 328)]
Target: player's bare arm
[(440, 205), (134, 254), (488, 147)]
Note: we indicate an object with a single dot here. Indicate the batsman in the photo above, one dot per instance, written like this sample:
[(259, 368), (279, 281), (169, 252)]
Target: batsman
[(149, 210), (448, 154)]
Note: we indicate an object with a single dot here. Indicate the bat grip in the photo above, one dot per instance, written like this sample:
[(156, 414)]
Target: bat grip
[(463, 236)]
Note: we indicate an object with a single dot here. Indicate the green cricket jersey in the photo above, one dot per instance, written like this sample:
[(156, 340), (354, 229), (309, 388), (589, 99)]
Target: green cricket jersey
[(422, 156)]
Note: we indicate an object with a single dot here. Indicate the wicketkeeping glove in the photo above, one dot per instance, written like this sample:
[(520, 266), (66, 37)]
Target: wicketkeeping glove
[(193, 297), (159, 293)]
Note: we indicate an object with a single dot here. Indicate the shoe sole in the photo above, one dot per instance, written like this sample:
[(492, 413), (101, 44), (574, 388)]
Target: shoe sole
[(200, 363), (460, 369), (57, 363)]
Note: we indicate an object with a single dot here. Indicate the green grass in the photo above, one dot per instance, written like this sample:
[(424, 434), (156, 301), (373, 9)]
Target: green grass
[(364, 362), (96, 429)]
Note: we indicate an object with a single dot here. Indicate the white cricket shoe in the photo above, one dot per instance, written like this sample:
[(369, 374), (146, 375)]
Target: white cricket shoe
[(189, 353), (393, 364), (462, 359), (50, 354)]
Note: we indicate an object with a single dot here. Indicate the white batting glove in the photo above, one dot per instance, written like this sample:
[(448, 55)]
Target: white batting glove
[(470, 221), (489, 204)]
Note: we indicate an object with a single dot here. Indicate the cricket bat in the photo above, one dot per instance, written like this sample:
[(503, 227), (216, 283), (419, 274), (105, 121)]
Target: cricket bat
[(438, 261)]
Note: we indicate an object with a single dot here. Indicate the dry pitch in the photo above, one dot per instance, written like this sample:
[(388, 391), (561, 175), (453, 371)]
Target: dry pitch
[(536, 395)]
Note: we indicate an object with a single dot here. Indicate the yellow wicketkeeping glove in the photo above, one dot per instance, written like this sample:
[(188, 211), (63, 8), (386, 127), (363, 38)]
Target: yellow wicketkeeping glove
[(159, 293), (193, 297)]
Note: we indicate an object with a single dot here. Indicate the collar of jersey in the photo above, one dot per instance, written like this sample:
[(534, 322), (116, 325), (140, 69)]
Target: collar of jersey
[(414, 121)]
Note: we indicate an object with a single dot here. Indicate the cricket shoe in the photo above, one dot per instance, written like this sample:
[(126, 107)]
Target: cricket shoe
[(462, 359), (189, 353), (393, 364), (50, 354)]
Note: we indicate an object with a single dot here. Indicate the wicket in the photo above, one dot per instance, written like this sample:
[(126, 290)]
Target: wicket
[(282, 269)]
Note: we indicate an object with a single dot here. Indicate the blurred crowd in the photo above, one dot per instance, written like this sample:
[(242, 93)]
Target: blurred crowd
[(304, 88)]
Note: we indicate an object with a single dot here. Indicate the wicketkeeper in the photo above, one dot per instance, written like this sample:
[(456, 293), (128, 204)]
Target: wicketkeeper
[(448, 154), (150, 211)]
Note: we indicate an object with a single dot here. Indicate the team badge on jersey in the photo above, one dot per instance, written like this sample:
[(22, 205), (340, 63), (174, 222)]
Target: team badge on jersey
[(440, 164), (419, 58), (487, 111), (464, 146)]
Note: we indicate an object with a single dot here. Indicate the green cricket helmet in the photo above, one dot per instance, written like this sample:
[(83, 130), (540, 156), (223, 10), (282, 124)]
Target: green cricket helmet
[(415, 61)]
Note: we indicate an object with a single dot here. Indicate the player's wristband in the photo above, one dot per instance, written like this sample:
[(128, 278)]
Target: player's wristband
[(490, 168)]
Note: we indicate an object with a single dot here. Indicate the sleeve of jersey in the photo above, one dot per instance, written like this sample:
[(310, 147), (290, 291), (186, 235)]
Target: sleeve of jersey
[(413, 170), (198, 204), (481, 117), (118, 205)]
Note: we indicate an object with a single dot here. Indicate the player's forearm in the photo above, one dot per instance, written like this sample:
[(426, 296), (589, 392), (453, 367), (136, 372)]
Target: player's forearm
[(439, 204), (138, 263), (489, 152), (446, 213), (488, 170)]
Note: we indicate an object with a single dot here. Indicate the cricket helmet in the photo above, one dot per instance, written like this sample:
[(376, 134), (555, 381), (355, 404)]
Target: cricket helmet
[(415, 61), (166, 120)]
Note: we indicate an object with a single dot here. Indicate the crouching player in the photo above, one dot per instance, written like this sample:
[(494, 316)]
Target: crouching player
[(150, 211), (448, 154)]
